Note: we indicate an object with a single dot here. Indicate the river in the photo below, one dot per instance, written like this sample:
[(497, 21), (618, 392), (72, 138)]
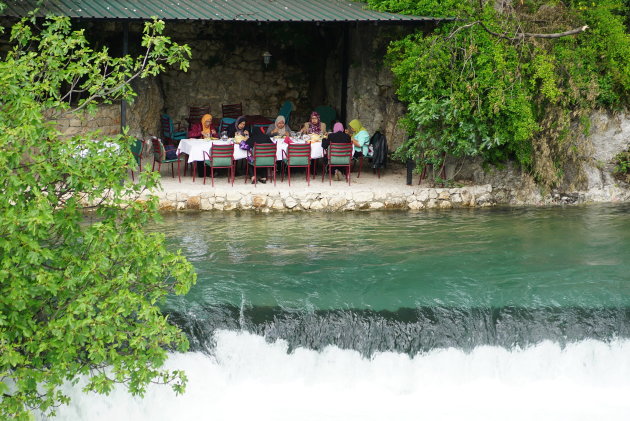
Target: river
[(480, 314)]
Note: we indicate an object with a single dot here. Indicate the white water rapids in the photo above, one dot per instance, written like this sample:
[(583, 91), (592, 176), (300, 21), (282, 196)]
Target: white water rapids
[(250, 379)]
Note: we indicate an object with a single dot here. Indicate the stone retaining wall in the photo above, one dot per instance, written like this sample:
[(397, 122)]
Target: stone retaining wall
[(415, 199)]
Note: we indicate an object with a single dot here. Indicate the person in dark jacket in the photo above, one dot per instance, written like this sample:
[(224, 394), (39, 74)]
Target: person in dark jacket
[(337, 136), (238, 128), (258, 137)]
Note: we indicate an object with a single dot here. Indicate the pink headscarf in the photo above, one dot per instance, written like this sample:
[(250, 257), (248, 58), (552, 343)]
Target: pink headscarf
[(338, 127)]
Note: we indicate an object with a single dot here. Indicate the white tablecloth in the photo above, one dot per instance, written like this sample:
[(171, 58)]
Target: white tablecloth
[(195, 148)]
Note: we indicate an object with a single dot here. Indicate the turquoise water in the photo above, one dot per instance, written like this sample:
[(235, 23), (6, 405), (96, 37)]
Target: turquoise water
[(488, 314), (533, 258), (407, 282)]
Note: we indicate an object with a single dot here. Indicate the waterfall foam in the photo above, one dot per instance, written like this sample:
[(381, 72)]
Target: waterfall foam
[(247, 377)]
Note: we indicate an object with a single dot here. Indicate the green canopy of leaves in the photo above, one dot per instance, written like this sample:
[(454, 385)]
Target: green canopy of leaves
[(485, 85), (79, 279)]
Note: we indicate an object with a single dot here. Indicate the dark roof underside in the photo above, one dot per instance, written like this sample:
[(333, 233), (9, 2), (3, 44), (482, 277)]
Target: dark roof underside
[(216, 10)]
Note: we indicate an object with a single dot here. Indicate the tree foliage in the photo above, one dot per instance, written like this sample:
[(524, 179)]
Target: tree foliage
[(486, 83), (79, 279)]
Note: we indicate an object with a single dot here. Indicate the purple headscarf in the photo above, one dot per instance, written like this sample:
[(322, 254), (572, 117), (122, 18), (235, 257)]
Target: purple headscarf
[(317, 127), (338, 127)]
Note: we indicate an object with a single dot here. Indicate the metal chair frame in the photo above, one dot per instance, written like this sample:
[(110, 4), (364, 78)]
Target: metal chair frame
[(158, 151), (232, 110), (219, 151), (136, 151), (297, 152), (262, 150), (195, 113), (168, 132), (341, 152)]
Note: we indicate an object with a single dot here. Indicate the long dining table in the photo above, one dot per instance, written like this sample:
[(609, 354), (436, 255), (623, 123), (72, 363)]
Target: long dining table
[(195, 149)]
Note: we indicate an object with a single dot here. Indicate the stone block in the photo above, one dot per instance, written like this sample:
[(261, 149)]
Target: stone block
[(206, 204), (363, 196), (376, 205), (290, 203), (259, 201), (444, 195), (233, 196), (193, 202), (423, 195), (337, 202)]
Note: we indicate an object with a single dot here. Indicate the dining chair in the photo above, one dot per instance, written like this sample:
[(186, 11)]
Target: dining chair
[(232, 110), (225, 122), (168, 132), (262, 156), (220, 156), (339, 155), (326, 115), (195, 113), (136, 151), (297, 156), (285, 111), (159, 156)]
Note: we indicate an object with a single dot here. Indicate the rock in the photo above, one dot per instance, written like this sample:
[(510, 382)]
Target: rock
[(259, 201), (193, 202)]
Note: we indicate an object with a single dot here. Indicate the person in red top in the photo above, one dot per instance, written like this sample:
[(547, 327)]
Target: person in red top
[(203, 129)]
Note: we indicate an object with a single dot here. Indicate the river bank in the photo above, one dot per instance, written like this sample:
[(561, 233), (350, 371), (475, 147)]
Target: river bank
[(367, 192)]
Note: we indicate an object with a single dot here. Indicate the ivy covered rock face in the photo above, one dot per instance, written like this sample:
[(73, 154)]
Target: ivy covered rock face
[(511, 80), (79, 280)]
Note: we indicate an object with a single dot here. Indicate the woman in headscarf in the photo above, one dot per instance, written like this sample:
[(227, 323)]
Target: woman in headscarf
[(337, 136), (314, 125), (238, 128), (360, 138), (279, 127), (203, 129)]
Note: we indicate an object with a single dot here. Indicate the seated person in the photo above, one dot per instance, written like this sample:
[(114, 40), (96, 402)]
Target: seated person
[(360, 138), (314, 125), (238, 128), (203, 129), (258, 137), (279, 128), (337, 136)]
